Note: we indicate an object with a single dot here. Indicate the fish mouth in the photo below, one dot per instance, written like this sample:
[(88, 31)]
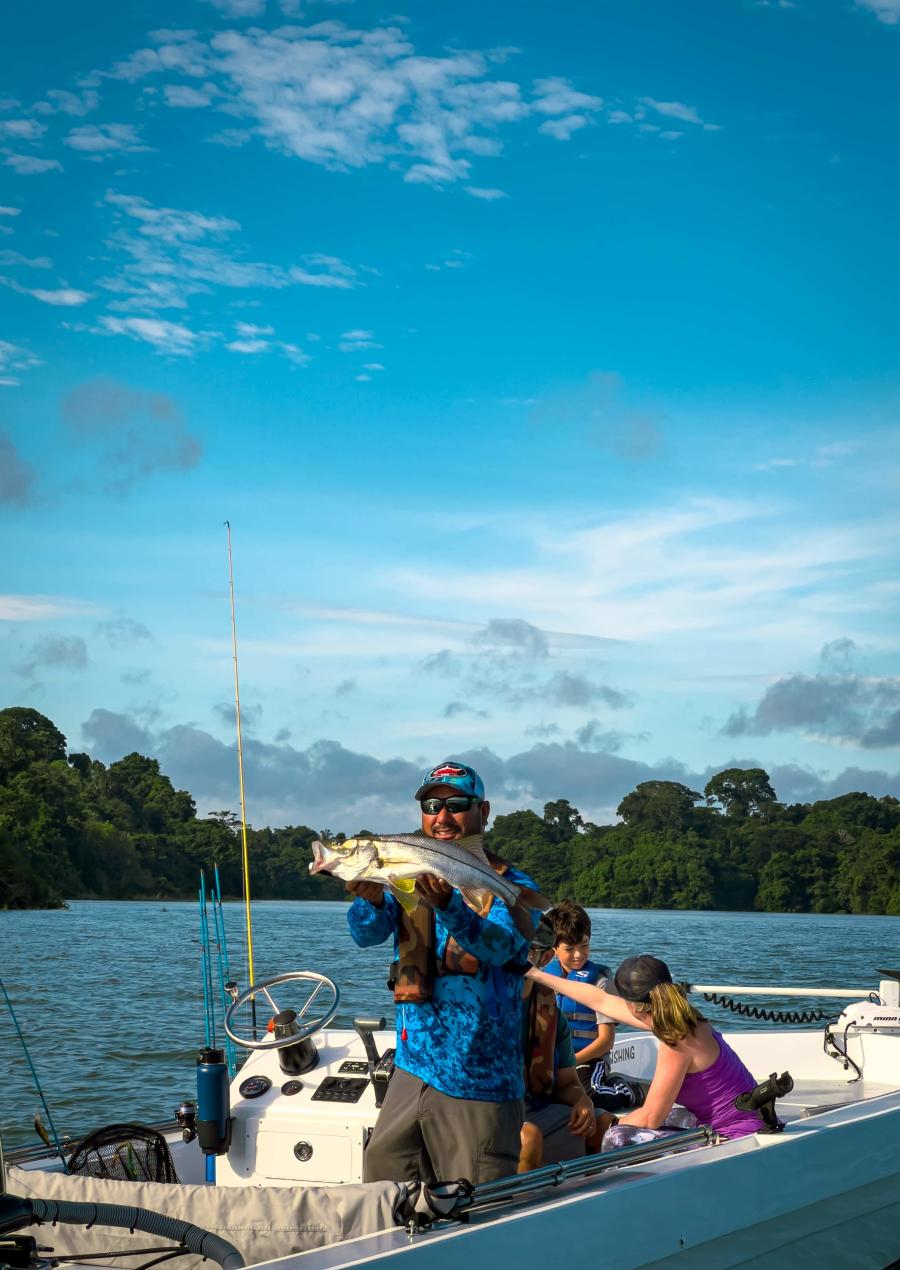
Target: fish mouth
[(319, 862)]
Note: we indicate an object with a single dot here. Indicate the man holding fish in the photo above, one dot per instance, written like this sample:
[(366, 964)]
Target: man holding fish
[(461, 923)]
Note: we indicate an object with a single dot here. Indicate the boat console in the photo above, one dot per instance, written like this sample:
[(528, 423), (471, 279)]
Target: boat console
[(307, 1129)]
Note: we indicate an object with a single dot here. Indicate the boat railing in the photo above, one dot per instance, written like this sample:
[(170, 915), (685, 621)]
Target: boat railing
[(455, 1200)]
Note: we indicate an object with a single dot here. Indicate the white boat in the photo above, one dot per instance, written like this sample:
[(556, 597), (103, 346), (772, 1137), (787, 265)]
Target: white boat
[(825, 1192)]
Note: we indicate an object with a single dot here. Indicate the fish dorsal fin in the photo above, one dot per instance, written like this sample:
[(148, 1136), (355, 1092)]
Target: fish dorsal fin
[(475, 844), (404, 892)]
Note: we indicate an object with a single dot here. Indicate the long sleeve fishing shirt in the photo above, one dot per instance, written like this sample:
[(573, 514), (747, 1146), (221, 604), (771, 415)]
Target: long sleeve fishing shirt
[(466, 1041)]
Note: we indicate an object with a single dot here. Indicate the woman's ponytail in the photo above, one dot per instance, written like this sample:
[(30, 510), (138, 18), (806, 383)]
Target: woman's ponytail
[(672, 1016)]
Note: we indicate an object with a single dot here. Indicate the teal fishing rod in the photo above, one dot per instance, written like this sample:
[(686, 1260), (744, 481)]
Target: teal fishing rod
[(222, 958), (206, 967), (35, 1077)]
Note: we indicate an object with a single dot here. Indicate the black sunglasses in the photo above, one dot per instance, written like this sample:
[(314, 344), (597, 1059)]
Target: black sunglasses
[(454, 804)]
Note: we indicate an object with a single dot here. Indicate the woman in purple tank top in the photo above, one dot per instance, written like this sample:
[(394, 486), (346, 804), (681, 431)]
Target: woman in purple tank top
[(694, 1067)]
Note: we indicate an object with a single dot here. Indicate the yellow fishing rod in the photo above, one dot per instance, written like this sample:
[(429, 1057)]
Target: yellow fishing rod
[(245, 854)]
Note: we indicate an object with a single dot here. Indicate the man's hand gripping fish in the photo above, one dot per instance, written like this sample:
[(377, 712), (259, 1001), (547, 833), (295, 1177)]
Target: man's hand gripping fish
[(397, 861)]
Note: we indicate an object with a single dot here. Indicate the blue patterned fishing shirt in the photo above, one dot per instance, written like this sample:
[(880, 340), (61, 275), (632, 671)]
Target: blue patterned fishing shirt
[(466, 1041)]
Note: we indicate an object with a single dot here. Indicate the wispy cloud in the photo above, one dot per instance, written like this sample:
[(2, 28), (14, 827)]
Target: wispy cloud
[(171, 255), (31, 165), (164, 336), (64, 297), (347, 98), (356, 340), (22, 129), (251, 339), (38, 608), (14, 359), (886, 11), (567, 110), (486, 193), (105, 139), (61, 101)]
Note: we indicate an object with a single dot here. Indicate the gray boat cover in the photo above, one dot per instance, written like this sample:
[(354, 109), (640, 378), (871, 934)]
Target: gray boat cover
[(262, 1222)]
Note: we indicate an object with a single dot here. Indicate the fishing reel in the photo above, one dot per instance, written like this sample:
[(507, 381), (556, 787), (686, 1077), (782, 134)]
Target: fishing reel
[(22, 1252)]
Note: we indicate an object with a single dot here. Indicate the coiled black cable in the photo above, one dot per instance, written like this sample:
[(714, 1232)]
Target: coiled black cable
[(768, 1016)]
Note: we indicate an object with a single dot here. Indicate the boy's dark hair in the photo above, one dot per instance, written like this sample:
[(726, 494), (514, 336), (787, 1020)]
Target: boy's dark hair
[(571, 924)]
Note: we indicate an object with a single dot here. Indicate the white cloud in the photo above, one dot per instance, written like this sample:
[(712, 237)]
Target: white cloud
[(22, 129), (10, 259), (356, 340), (165, 337), (363, 379), (67, 103), (556, 96), (30, 165), (247, 346), (169, 224), (65, 297), (716, 565), (347, 98), (172, 255), (672, 110), (254, 339), (249, 330), (183, 95), (104, 138), (37, 608), (13, 358), (372, 366), (239, 8), (10, 211), (886, 11), (563, 128), (489, 195)]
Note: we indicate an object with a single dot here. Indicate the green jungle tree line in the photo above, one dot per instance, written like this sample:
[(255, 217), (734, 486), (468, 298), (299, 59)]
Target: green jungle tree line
[(74, 828)]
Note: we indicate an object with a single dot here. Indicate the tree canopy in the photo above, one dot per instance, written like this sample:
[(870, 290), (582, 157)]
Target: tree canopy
[(71, 827)]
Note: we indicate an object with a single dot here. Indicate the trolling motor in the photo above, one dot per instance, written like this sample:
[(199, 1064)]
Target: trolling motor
[(762, 1099), (381, 1066), (213, 1123)]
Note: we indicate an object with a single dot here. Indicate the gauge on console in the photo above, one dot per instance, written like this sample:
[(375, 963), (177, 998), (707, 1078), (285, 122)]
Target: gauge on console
[(254, 1086)]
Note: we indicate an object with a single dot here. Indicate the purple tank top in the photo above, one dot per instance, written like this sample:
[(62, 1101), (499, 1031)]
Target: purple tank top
[(710, 1094)]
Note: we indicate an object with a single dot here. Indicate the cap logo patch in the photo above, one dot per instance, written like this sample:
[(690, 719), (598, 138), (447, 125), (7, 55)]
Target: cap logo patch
[(449, 769)]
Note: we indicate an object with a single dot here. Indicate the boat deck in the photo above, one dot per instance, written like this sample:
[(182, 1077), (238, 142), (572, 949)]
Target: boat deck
[(814, 1097)]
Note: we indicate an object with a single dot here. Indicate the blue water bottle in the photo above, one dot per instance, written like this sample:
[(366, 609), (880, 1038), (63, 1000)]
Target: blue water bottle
[(213, 1120)]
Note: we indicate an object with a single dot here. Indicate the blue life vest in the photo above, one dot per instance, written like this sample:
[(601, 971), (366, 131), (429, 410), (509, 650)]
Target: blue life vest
[(582, 1019)]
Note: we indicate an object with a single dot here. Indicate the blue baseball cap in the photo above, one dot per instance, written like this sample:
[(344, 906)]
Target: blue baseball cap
[(455, 774)]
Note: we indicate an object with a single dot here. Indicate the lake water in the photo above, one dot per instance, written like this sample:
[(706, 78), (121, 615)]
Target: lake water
[(109, 995)]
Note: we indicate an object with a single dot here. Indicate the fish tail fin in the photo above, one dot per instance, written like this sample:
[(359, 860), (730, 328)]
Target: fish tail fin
[(529, 898), (404, 892), (523, 920)]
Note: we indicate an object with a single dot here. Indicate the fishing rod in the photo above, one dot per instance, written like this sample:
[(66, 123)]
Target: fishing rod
[(245, 854), (222, 956), (35, 1077), (206, 967)]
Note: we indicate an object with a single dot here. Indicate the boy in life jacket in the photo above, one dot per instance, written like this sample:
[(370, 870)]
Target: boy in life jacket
[(592, 1033), (560, 1122)]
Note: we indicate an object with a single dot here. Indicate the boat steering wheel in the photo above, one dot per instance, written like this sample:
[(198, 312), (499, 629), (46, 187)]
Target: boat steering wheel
[(305, 1026)]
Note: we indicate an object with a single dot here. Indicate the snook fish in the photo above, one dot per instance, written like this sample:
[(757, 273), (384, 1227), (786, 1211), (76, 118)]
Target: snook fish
[(397, 861)]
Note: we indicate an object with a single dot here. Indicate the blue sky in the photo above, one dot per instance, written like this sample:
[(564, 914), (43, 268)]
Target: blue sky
[(542, 357)]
